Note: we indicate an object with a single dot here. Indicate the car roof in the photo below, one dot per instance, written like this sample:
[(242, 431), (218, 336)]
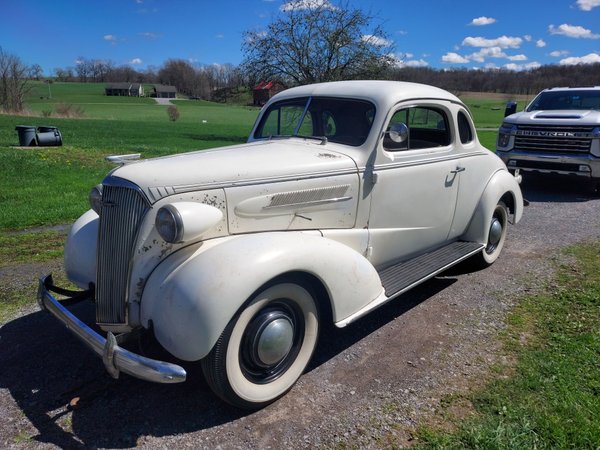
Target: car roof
[(383, 94)]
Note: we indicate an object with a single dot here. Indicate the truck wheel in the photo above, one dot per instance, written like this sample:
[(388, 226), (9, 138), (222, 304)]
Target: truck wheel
[(265, 348), (496, 236)]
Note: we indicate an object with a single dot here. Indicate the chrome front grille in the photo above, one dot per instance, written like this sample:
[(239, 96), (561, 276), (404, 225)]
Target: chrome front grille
[(554, 138), (123, 209)]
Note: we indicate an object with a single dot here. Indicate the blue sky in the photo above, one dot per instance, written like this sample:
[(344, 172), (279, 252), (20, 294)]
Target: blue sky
[(434, 33)]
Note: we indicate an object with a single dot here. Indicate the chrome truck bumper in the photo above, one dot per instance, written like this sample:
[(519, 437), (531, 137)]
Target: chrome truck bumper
[(116, 359)]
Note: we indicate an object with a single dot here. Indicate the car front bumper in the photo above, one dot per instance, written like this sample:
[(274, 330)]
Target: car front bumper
[(116, 359), (561, 163)]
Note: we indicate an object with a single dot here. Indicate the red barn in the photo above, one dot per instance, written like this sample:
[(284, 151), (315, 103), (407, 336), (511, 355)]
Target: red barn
[(264, 90)]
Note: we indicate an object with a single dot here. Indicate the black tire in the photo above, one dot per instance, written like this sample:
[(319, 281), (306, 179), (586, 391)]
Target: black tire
[(498, 226), (265, 348)]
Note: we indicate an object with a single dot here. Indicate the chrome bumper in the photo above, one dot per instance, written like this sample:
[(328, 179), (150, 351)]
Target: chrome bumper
[(116, 359)]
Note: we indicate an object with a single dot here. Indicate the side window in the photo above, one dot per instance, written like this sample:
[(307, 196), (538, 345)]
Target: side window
[(426, 127), (464, 128)]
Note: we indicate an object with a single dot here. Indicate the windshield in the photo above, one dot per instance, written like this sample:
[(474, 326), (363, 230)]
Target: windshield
[(339, 120), (571, 99)]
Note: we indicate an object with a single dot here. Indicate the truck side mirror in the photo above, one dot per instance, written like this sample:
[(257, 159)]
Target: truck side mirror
[(511, 108)]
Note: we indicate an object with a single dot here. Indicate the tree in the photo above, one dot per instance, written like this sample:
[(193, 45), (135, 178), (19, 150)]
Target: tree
[(13, 82), (313, 41)]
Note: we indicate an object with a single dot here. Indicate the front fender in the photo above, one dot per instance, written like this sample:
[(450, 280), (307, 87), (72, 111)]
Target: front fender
[(80, 250), (193, 294), (501, 184)]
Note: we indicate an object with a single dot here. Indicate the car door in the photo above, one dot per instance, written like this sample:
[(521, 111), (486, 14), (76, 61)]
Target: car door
[(416, 174)]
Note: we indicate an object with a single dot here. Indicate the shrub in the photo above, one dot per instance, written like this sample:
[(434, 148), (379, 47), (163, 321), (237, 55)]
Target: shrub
[(173, 113), (68, 110)]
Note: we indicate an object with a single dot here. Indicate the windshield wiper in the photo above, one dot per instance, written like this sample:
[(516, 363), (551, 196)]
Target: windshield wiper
[(323, 139)]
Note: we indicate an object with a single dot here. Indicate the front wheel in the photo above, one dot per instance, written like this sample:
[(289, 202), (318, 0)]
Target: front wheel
[(498, 227), (265, 348)]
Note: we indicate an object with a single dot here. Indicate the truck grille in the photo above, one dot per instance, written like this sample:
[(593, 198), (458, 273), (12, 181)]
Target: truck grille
[(123, 209), (553, 138)]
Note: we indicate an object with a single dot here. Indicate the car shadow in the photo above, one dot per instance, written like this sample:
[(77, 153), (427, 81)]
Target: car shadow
[(550, 188), (49, 373)]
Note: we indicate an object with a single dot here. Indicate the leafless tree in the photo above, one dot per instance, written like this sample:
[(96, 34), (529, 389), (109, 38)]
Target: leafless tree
[(13, 82), (314, 41)]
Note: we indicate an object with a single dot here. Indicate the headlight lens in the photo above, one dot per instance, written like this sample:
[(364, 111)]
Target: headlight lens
[(95, 199), (169, 224), (503, 139)]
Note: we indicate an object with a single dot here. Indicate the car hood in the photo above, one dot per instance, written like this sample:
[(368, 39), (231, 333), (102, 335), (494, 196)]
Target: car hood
[(250, 163), (556, 117)]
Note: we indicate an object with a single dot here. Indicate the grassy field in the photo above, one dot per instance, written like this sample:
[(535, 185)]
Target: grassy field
[(50, 185)]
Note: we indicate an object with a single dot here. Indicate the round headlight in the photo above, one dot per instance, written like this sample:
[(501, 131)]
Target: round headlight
[(169, 224), (96, 199)]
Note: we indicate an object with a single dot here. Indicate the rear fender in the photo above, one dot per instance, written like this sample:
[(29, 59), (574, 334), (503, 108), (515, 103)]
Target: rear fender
[(502, 186), (193, 294)]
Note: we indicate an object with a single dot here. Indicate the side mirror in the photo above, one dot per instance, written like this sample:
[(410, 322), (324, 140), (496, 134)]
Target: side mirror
[(398, 133), (511, 108)]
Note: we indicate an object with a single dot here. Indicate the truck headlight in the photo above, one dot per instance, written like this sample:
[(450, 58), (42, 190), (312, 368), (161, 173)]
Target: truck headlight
[(95, 198), (185, 221), (504, 134)]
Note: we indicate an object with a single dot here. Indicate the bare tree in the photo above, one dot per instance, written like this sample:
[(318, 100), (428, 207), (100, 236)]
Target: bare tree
[(314, 41), (13, 82)]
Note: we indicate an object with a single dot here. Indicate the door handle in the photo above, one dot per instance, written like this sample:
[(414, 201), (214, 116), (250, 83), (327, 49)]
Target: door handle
[(458, 169)]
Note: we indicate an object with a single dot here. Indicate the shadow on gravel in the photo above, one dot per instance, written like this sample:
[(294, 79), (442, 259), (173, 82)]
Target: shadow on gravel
[(550, 188), (45, 369)]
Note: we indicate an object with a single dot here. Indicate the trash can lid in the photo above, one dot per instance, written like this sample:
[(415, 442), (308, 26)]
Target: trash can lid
[(24, 127)]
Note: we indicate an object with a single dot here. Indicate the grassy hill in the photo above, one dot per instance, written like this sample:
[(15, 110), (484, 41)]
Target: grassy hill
[(49, 185)]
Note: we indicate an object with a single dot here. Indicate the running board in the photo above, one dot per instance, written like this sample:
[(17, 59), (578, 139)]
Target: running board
[(402, 276)]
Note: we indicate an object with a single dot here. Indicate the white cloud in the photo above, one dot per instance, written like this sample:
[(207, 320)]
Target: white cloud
[(377, 41), (592, 58), (296, 5), (573, 31), (409, 55), (479, 21), (502, 42), (527, 37), (219, 36), (150, 35), (520, 67), (540, 43), (110, 38), (559, 53), (454, 58), (517, 58), (491, 52), (136, 61), (416, 63), (587, 5)]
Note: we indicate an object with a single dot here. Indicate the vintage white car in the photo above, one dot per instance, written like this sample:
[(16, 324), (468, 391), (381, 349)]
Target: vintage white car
[(345, 196)]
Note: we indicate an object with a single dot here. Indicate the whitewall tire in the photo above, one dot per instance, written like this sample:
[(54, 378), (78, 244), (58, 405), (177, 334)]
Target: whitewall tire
[(265, 348), (498, 227)]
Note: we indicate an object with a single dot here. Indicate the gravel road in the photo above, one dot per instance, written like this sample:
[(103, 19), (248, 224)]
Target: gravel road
[(370, 382)]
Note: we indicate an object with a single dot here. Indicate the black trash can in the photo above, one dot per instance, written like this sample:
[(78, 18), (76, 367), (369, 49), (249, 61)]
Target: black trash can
[(49, 137), (27, 135)]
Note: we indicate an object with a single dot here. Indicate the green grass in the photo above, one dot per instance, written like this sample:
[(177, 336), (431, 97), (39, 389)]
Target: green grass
[(50, 185), (47, 186), (31, 247), (551, 397)]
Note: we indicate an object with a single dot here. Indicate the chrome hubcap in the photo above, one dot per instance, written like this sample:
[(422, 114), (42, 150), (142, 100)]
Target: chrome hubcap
[(271, 342), (275, 341), (495, 232)]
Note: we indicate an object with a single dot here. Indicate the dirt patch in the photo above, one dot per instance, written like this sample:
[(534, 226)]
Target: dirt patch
[(369, 385)]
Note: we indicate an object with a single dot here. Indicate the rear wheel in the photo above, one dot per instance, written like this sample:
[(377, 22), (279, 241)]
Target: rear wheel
[(265, 348), (498, 227)]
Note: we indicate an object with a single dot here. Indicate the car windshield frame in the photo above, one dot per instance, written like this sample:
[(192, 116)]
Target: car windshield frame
[(572, 99), (341, 120)]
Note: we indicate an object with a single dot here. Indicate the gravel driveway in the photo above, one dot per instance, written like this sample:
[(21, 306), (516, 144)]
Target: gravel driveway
[(369, 382)]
